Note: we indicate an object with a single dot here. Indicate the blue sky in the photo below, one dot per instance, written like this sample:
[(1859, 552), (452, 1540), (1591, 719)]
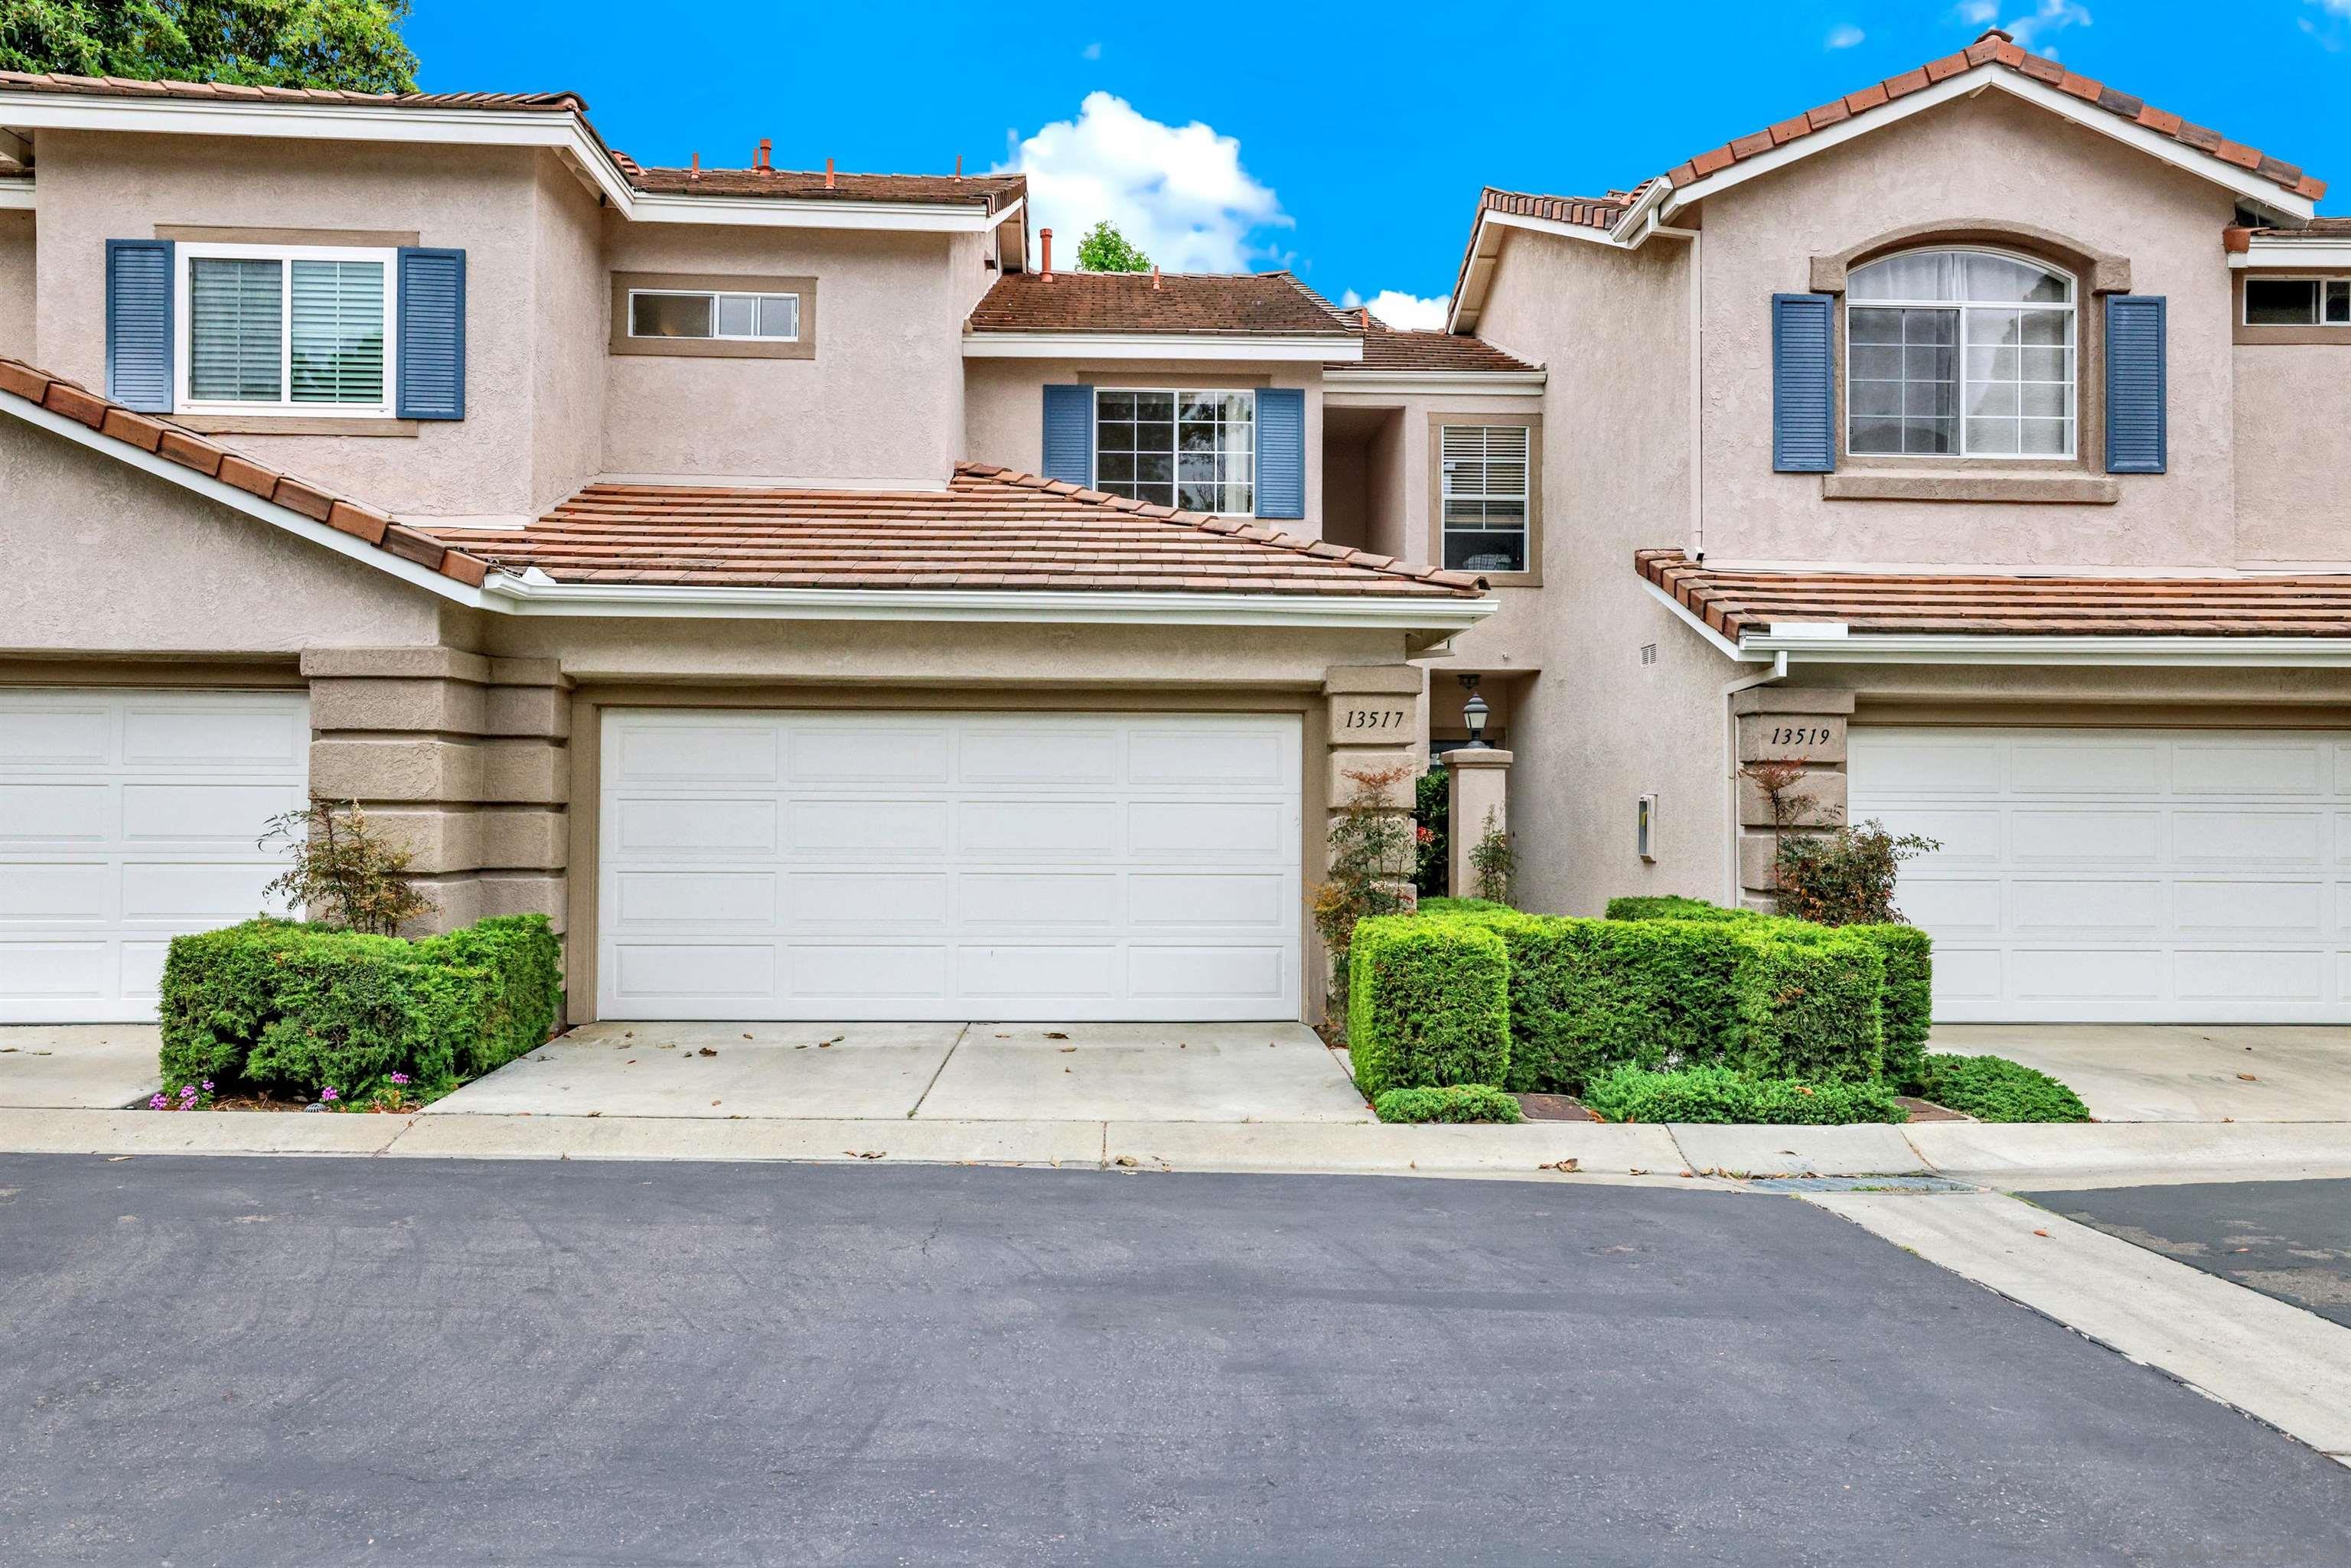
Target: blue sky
[(1347, 144)]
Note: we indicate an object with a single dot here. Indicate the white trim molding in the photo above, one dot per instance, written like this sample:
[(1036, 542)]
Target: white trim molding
[(1809, 644), (17, 195), (1159, 345), (2298, 251), (1420, 383)]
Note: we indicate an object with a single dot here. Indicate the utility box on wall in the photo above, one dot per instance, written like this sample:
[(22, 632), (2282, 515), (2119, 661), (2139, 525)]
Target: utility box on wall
[(1644, 841)]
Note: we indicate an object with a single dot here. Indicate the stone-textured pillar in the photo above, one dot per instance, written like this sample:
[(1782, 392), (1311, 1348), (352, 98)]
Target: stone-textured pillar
[(1374, 722), (1803, 726), (459, 756), (1480, 787)]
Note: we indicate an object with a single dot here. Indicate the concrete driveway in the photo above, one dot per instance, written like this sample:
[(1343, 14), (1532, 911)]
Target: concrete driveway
[(78, 1066), (943, 1071), (2180, 1072)]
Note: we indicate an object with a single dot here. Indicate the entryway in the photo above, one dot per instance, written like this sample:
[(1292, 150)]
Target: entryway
[(927, 1071)]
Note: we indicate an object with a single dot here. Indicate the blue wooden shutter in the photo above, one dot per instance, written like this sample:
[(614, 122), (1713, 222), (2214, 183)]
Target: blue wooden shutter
[(139, 287), (2134, 390), (1803, 383), (432, 334), (1069, 435), (1281, 452)]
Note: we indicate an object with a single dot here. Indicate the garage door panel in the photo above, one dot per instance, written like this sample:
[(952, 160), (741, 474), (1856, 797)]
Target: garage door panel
[(1080, 866), (178, 891), (228, 734), (56, 972), (55, 813), (58, 892), (141, 965), (2140, 874), (53, 733), (198, 814), (697, 752)]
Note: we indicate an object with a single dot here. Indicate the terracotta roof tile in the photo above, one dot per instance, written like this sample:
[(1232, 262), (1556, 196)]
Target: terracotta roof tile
[(1734, 601), (1260, 303), (990, 525), (152, 432), (992, 191), (120, 87)]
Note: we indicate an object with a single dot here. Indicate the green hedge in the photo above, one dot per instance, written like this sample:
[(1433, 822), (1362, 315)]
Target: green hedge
[(297, 1009), (1463, 907), (1723, 1094), (1427, 1003), (1994, 1089), (1588, 995), (1810, 1008), (1454, 1103)]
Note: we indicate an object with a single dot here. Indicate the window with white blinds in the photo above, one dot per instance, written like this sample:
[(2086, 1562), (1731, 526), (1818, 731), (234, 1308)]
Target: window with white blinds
[(1485, 497), (273, 330)]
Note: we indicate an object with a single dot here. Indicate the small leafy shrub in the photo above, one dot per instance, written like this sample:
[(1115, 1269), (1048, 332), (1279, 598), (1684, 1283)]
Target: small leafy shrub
[(303, 1009), (1432, 803), (1724, 1094), (343, 873), (1845, 877), (1493, 863), (1994, 1089), (1461, 906), (1371, 847), (1674, 907), (1427, 1004), (1811, 1009), (1454, 1103)]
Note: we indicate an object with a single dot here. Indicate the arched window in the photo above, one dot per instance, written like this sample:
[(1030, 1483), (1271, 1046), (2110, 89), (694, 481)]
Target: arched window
[(1961, 353)]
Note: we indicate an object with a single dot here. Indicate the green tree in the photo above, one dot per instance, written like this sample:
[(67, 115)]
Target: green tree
[(354, 45), (1103, 249)]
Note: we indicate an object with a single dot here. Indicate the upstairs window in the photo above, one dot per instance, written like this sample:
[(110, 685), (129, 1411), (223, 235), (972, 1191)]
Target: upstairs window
[(722, 318), (2298, 301), (1959, 354), (274, 330), (1484, 495), (1194, 450)]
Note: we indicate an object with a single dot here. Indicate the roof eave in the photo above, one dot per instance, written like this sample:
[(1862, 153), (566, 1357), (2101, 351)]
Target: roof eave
[(1321, 347), (1821, 647)]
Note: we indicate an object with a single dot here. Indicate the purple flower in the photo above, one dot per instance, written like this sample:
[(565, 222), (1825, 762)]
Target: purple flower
[(328, 1096), (208, 1085), (158, 1103), (400, 1078), (187, 1091)]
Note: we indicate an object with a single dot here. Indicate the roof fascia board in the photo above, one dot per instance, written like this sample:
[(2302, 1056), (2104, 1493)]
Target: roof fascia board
[(1476, 274), (1993, 74), (709, 602), (1157, 346), (1696, 623), (560, 131), (2312, 251), (1408, 383), (1975, 648), (245, 501), (1550, 226)]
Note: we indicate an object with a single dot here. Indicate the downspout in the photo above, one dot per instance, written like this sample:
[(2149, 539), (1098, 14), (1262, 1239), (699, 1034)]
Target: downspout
[(1732, 890)]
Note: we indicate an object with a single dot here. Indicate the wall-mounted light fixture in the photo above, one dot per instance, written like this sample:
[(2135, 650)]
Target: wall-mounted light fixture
[(1474, 711)]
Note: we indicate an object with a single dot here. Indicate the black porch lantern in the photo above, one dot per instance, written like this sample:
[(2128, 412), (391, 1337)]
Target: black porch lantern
[(1473, 711)]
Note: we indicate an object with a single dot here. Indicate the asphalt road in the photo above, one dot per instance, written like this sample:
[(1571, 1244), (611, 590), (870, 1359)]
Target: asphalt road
[(312, 1360), (2291, 1239)]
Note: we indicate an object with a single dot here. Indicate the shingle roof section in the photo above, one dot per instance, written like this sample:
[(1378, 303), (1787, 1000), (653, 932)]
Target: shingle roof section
[(1996, 47), (185, 447), (1194, 303), (124, 86), (1734, 601), (1387, 348), (992, 529), (993, 192)]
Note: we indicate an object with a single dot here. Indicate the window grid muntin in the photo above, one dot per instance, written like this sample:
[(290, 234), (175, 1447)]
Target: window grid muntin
[(380, 352), (1192, 449), (721, 304), (1975, 366), (1484, 496)]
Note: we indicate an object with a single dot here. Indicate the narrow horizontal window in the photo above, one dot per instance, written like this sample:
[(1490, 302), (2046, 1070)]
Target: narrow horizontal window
[(726, 318), (2298, 301), (1485, 492)]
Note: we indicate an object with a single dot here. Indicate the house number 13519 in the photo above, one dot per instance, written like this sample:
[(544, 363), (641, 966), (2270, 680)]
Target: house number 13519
[(1375, 719), (1799, 735)]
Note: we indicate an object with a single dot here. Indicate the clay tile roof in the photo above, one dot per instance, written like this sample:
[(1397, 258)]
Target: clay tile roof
[(992, 529), (1387, 348), (118, 86), (991, 191), (1586, 211), (158, 435), (1269, 303), (1734, 601), (1996, 47)]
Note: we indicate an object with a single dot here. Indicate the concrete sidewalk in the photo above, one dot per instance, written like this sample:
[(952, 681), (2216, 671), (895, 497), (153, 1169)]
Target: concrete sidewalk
[(2179, 1073)]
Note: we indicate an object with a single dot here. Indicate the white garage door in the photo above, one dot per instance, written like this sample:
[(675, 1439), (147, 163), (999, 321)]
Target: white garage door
[(2123, 874), (127, 817), (897, 865)]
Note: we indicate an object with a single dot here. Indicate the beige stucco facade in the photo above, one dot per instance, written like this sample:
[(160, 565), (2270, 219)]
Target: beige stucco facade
[(19, 318)]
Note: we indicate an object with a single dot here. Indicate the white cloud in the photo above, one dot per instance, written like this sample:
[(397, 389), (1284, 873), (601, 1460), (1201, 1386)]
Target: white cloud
[(1090, 52), (1398, 308), (1979, 13), (1177, 192), (1844, 36), (2048, 16)]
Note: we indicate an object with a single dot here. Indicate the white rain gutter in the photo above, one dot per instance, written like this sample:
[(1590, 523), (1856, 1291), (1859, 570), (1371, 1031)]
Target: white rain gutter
[(1159, 345), (1985, 648)]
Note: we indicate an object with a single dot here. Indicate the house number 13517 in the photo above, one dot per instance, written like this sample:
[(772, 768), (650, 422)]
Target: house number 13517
[(1375, 719)]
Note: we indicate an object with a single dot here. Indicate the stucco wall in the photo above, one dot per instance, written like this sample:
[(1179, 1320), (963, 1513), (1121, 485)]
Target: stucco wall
[(2294, 448), (1989, 158), (1003, 411), (878, 402), (17, 321), (103, 558), (98, 186), (567, 345)]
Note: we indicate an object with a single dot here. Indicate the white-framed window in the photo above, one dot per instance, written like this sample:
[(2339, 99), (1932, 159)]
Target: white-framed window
[(1959, 354), (2298, 301), (1195, 450), (1485, 492), (300, 329), (718, 315)]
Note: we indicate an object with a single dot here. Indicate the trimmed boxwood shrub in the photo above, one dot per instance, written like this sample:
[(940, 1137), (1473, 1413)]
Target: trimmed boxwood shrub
[(1589, 994), (1674, 907), (1994, 1089), (1724, 1094), (1427, 1003), (1463, 907), (1811, 1007), (1454, 1103), (296, 1009)]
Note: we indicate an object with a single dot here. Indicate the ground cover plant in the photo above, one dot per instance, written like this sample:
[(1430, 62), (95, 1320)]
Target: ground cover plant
[(1994, 1089), (1726, 1094), (1454, 1103)]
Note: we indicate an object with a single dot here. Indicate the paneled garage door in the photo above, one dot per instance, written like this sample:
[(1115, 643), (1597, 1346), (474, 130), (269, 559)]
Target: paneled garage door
[(898, 865), (127, 817), (2123, 874)]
